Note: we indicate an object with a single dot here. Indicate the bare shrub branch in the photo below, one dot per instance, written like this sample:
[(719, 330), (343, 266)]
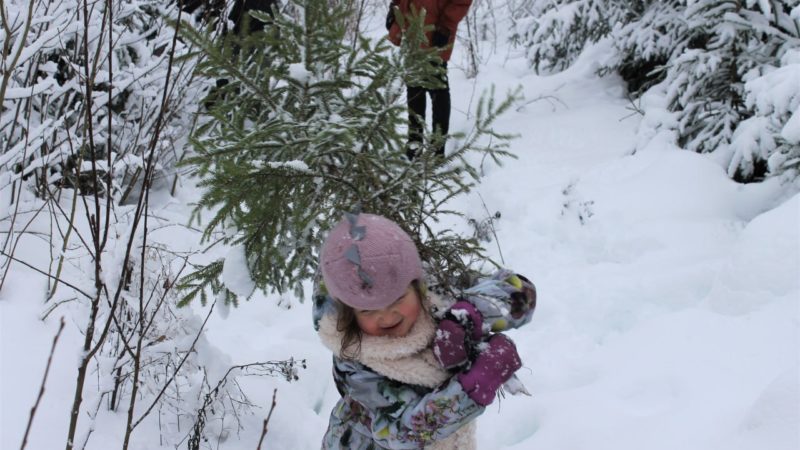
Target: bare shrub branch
[(41, 388), (266, 421)]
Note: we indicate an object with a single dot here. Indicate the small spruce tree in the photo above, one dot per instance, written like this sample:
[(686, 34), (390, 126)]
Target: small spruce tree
[(310, 126)]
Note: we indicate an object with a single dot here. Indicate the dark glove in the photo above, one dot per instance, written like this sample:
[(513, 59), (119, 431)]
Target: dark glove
[(523, 300), (390, 16), (493, 367), (440, 37), (462, 326)]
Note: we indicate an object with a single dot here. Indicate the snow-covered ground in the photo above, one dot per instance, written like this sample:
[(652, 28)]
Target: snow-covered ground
[(669, 296)]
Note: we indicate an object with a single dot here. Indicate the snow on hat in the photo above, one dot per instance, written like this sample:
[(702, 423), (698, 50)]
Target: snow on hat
[(368, 261)]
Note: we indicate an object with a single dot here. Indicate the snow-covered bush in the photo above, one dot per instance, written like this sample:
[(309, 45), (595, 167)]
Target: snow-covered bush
[(726, 43), (646, 43), (157, 366), (708, 54), (772, 133), (74, 117), (555, 32)]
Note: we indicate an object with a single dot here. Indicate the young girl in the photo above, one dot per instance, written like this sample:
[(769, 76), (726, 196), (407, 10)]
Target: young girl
[(409, 380)]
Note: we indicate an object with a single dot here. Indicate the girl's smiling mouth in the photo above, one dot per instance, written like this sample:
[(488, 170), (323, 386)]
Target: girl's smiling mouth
[(392, 327)]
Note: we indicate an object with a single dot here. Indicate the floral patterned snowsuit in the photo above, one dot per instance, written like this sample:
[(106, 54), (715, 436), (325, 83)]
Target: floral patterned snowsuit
[(378, 412)]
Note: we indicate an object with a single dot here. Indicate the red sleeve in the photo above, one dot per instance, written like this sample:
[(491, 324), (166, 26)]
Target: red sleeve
[(452, 13), (395, 34)]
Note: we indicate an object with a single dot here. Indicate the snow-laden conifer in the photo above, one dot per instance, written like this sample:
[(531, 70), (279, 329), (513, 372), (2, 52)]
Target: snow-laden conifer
[(772, 133), (646, 42), (726, 42), (708, 54), (555, 32)]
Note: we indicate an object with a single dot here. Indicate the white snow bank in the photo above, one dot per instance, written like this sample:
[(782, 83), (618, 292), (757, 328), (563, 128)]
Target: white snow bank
[(764, 264)]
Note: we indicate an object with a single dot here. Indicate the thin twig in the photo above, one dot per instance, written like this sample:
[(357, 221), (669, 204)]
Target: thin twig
[(17, 239), (94, 226), (65, 244), (41, 388), (7, 47), (266, 421), (45, 273), (93, 417), (550, 99), (491, 226), (177, 369), (19, 193), (54, 306)]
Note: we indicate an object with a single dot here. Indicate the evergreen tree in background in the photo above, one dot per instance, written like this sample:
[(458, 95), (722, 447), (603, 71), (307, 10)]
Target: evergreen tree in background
[(705, 52), (772, 133), (726, 43), (646, 42), (554, 33), (308, 127)]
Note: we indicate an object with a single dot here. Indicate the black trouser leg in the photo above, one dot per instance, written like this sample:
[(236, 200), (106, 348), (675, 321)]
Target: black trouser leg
[(440, 99), (415, 97)]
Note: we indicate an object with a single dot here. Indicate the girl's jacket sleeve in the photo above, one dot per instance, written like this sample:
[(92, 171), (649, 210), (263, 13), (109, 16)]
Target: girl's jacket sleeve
[(506, 300), (391, 414)]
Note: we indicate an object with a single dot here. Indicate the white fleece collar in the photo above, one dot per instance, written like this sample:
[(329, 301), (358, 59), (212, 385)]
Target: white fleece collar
[(408, 359)]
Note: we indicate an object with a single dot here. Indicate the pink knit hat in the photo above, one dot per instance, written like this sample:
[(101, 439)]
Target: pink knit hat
[(368, 261)]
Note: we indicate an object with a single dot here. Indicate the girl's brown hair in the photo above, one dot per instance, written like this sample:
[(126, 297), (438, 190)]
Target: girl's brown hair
[(351, 332)]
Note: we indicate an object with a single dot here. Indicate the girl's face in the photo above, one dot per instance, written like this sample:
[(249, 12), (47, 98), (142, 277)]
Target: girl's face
[(395, 320)]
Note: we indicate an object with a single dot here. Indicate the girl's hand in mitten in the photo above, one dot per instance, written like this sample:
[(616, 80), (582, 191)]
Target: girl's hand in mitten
[(523, 300), (462, 325), (493, 367)]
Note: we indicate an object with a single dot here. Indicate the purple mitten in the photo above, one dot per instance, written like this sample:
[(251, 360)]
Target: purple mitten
[(448, 344), (493, 367), (451, 340), (468, 316)]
